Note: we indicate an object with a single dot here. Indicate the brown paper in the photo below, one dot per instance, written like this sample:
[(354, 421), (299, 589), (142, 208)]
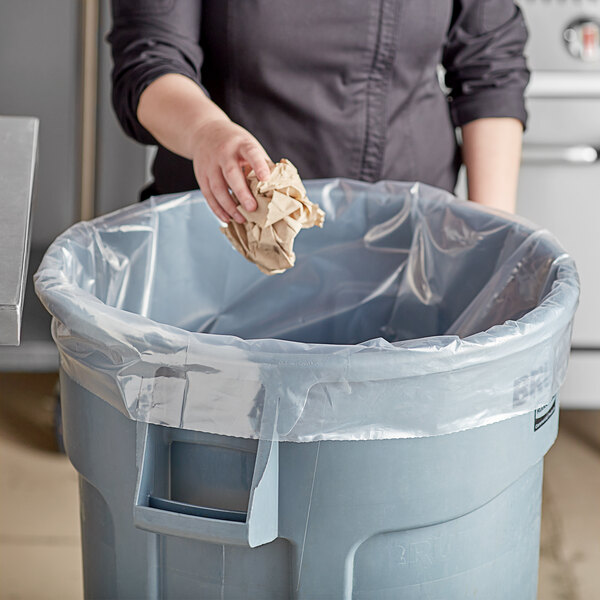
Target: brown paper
[(267, 236)]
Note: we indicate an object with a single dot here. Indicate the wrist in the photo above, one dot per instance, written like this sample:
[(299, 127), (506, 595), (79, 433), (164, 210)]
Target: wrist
[(200, 130)]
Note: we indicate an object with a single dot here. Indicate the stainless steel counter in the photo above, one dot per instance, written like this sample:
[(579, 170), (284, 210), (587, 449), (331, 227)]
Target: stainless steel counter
[(18, 158)]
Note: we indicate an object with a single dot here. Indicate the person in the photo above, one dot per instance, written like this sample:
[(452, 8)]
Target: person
[(344, 88)]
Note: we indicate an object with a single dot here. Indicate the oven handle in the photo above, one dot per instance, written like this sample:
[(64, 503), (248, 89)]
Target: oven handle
[(574, 155)]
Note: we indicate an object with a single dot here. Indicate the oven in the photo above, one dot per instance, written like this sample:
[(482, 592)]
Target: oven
[(559, 186)]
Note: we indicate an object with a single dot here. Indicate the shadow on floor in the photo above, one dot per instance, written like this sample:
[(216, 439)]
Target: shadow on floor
[(28, 409)]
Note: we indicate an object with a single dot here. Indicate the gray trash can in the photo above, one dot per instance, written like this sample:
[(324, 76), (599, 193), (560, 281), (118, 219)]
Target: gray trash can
[(370, 424)]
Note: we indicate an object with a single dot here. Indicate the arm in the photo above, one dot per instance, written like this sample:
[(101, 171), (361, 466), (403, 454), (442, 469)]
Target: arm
[(487, 74), (157, 96), (491, 154)]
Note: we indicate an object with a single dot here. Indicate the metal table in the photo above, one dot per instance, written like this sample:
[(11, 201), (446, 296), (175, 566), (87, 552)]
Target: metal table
[(22, 318), (18, 158)]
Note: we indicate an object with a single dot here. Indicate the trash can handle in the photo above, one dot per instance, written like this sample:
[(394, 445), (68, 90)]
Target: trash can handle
[(256, 527)]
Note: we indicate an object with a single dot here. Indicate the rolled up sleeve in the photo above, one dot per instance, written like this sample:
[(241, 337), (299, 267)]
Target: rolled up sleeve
[(486, 71), (151, 38)]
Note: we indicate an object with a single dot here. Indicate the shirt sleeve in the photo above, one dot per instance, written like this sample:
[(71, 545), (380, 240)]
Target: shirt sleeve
[(151, 38), (486, 71)]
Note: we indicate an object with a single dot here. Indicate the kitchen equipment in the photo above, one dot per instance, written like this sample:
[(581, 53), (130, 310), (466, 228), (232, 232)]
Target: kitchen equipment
[(18, 161), (559, 185), (53, 59)]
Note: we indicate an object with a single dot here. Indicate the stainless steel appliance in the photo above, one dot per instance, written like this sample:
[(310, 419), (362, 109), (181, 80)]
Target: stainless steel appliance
[(559, 185), (18, 160), (55, 65)]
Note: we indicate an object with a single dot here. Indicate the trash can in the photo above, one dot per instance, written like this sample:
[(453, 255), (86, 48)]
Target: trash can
[(370, 424)]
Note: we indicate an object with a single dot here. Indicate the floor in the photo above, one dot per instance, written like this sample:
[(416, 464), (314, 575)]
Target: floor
[(39, 507), (39, 513)]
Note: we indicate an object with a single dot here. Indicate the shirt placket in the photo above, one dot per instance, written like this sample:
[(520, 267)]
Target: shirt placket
[(377, 91)]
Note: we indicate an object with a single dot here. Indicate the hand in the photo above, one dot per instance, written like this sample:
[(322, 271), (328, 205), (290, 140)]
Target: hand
[(222, 152), (182, 118)]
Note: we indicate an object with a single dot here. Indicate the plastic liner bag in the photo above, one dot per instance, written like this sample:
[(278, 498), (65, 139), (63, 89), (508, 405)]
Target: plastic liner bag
[(412, 313)]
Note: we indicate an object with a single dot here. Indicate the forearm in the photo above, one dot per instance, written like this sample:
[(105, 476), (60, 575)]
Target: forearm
[(492, 154), (174, 109)]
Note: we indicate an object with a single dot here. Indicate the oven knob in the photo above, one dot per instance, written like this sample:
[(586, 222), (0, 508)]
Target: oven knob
[(582, 38)]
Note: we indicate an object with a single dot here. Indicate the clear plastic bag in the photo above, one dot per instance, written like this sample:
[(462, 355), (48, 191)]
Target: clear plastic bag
[(410, 314)]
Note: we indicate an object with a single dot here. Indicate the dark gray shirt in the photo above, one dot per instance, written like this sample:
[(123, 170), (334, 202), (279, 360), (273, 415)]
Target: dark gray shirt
[(344, 88)]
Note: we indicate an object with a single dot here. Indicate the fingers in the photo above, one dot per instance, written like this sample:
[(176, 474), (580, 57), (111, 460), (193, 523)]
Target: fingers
[(212, 201), (221, 193), (236, 180), (215, 206), (258, 159)]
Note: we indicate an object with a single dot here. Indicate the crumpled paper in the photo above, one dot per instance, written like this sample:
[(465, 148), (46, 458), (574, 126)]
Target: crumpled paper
[(267, 236)]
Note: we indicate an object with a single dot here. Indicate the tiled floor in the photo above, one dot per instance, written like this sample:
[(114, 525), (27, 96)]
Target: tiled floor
[(39, 516)]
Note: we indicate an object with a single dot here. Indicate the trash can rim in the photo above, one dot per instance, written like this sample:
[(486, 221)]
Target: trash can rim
[(482, 347)]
